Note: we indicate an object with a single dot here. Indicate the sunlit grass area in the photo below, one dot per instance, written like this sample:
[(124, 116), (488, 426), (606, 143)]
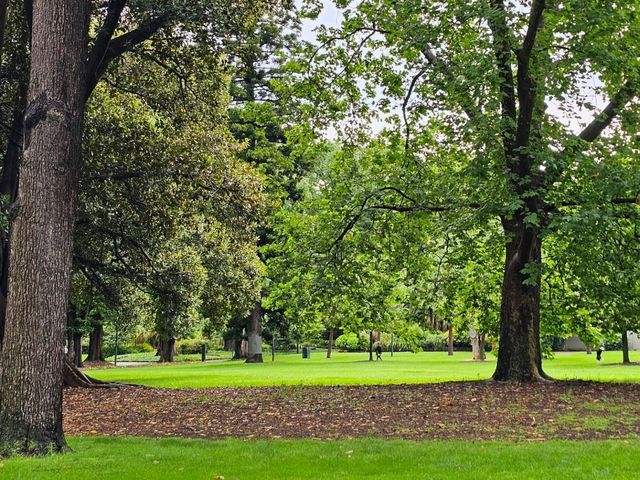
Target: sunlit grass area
[(140, 458), (354, 368)]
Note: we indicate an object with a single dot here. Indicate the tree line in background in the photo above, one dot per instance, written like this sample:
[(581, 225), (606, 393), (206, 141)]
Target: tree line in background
[(195, 167)]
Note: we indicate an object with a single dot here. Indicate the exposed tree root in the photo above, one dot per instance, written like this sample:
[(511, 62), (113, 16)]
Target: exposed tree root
[(73, 377)]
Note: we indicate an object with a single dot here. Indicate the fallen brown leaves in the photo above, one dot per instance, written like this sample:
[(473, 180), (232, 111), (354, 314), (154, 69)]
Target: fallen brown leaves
[(463, 410)]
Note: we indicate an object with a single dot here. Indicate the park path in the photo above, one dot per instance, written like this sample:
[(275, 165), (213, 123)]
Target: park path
[(458, 410)]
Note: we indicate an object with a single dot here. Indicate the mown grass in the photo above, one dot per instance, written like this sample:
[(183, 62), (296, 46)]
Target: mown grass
[(354, 368), (124, 458), (150, 357)]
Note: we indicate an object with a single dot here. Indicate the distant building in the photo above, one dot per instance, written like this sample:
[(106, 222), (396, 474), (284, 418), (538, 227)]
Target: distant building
[(574, 344)]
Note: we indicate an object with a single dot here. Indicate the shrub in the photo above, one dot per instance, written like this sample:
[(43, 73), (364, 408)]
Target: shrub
[(147, 348), (126, 348), (434, 341), (349, 342), (191, 345)]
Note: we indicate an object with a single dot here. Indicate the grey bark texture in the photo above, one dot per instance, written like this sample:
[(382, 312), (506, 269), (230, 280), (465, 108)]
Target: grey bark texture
[(42, 233), (254, 334)]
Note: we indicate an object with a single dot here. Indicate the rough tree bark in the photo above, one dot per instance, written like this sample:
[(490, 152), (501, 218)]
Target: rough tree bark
[(240, 349), (625, 348), (254, 334), (519, 354), (94, 353), (70, 352), (167, 349), (477, 345), (42, 232), (330, 343), (77, 349), (106, 47)]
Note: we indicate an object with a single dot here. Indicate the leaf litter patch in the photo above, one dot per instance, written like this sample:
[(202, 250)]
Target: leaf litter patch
[(456, 410)]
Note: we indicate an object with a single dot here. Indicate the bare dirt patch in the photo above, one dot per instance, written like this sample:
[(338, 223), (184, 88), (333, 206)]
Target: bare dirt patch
[(459, 410)]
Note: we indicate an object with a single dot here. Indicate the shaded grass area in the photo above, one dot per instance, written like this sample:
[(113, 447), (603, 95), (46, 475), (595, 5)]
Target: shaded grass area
[(151, 357), (355, 369), (140, 458)]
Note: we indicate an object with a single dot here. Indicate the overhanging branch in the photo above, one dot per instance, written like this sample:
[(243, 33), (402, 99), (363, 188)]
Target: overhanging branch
[(124, 43), (604, 118)]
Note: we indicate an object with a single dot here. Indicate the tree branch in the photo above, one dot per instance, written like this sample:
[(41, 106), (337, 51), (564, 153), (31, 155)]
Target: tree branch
[(535, 22), (412, 85), (526, 84), (124, 43), (604, 118), (612, 201), (502, 49), (105, 34), (466, 103)]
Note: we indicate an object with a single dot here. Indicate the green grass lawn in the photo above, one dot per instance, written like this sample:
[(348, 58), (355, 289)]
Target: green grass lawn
[(146, 357), (139, 458), (354, 368), (143, 458)]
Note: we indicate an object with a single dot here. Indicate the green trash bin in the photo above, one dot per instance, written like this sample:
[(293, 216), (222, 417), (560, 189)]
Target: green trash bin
[(306, 352)]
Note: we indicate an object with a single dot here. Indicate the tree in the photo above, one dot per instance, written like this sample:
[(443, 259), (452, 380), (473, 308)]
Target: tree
[(593, 282), (42, 233), (467, 90), (31, 393), (261, 117), (359, 282), (165, 207), (121, 27)]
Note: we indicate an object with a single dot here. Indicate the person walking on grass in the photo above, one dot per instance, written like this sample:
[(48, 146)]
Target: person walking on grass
[(378, 352)]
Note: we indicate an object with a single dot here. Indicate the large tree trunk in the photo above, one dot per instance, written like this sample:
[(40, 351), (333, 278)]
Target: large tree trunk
[(450, 340), (254, 334), (42, 233), (94, 354), (519, 354), (477, 345), (240, 349), (70, 348), (330, 343), (167, 349), (229, 344), (77, 349), (625, 348)]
